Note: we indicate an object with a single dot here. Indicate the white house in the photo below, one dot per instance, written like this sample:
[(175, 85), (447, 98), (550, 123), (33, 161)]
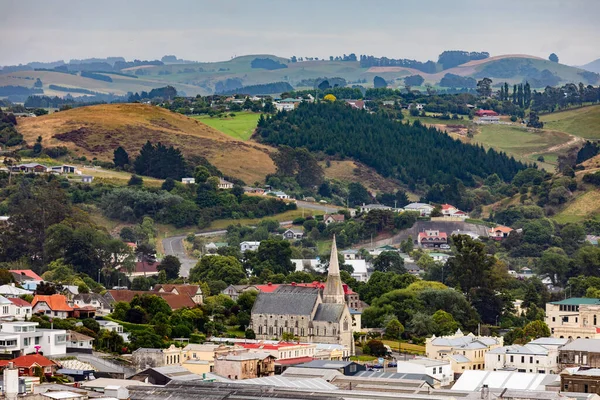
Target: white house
[(333, 218), (223, 184), (64, 169), (22, 309), (533, 358), (438, 369), (365, 208), (95, 300), (7, 309), (439, 257), (361, 272), (422, 208), (307, 264), (350, 254), (293, 234), (114, 327), (249, 245), (87, 178), (79, 343), (21, 338), (13, 291), (278, 194), (188, 181)]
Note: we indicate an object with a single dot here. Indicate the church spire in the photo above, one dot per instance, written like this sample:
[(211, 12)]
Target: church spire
[(334, 291)]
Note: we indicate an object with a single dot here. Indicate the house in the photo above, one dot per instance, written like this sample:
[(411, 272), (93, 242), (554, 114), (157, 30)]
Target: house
[(533, 358), (7, 309), (449, 210), (465, 352), (22, 309), (350, 254), (20, 338), (432, 238), (193, 291), (580, 353), (79, 343), (423, 209), (282, 350), (348, 368), (287, 104), (574, 318), (27, 273), (11, 291), (580, 380), (249, 189), (278, 194), (488, 119), (333, 218), (365, 208), (164, 375), (143, 268), (31, 168), (485, 113), (212, 247), (112, 326), (29, 364), (95, 300), (64, 169), (357, 104), (472, 235), (245, 365), (438, 369), (249, 245), (234, 291), (499, 232), (188, 181), (175, 301), (223, 184), (53, 305), (200, 358), (87, 178), (439, 257), (307, 265), (293, 234), (360, 270), (503, 381)]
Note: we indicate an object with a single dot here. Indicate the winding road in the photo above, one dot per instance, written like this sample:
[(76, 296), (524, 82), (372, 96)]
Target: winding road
[(173, 246)]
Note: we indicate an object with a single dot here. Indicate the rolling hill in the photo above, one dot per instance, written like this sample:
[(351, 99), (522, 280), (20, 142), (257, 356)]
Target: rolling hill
[(583, 122), (206, 78), (593, 66), (96, 131)]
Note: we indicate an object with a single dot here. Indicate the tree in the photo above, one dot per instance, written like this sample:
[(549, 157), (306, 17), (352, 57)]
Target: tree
[(471, 267), (534, 121), (406, 246), (376, 348), (389, 261), (445, 322), (120, 157), (393, 329), (357, 194), (553, 57), (135, 181), (6, 277), (275, 254), (218, 268), (379, 82), (37, 147), (484, 87), (329, 97), (171, 265)]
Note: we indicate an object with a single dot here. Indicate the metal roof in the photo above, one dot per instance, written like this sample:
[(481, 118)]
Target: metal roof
[(590, 345), (550, 341), (473, 380), (530, 349), (296, 372), (329, 312), (575, 301), (286, 382), (285, 303)]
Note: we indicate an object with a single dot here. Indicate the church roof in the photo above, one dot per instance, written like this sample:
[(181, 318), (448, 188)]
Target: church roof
[(286, 302), (330, 312), (334, 291)]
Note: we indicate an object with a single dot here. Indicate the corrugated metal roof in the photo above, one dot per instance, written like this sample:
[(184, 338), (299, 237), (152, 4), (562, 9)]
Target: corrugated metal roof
[(474, 380), (592, 345), (575, 301), (285, 303), (282, 381)]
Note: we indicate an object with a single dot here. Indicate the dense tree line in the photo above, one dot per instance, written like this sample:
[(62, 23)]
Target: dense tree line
[(457, 81), (265, 88), (11, 90), (366, 61), (453, 58), (9, 136), (165, 93), (72, 89), (99, 77), (410, 153), (160, 161), (266, 63)]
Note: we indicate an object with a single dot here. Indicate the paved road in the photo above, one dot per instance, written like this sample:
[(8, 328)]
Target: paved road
[(174, 245)]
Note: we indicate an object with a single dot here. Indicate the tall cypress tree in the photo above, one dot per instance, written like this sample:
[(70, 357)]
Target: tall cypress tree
[(121, 158), (520, 95), (514, 94), (505, 91), (527, 94)]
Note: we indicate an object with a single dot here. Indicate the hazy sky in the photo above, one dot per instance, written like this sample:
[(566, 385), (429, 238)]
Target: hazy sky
[(215, 30)]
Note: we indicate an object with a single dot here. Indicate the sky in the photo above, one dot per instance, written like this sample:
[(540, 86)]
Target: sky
[(217, 30)]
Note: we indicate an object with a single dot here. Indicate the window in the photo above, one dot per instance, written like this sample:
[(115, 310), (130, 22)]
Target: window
[(522, 359), (531, 360), (553, 319), (27, 341), (498, 357), (594, 319), (512, 359), (4, 309), (37, 340)]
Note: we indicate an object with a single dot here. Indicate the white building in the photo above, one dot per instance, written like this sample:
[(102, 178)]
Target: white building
[(475, 381), (350, 254), (21, 338), (361, 272), (223, 184), (278, 194), (574, 318), (188, 181), (114, 327), (78, 342), (438, 369), (13, 291), (252, 246), (422, 208), (365, 208), (532, 358)]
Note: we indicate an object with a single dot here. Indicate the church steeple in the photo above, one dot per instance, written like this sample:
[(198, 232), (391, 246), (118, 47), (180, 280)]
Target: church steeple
[(334, 291)]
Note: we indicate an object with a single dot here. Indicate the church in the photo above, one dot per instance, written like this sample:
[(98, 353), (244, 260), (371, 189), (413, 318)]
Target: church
[(310, 314)]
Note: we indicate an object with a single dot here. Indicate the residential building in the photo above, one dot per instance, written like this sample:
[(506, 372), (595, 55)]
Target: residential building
[(87, 178), (11, 291), (193, 291), (143, 268), (348, 368), (28, 365), (234, 291), (249, 245), (357, 104), (333, 218), (361, 270), (245, 365), (79, 343), (293, 234), (175, 301), (488, 120), (112, 326), (580, 353), (432, 238), (580, 380), (95, 300), (278, 194), (282, 350), (485, 113), (449, 210), (254, 190), (26, 273), (188, 181), (31, 168), (20, 338), (144, 358), (350, 254), (199, 357), (308, 265), (305, 311), (223, 184), (365, 208), (438, 369), (423, 209), (439, 257), (22, 309), (465, 352), (533, 358), (574, 318), (499, 232), (53, 305), (212, 247), (164, 375), (64, 169)]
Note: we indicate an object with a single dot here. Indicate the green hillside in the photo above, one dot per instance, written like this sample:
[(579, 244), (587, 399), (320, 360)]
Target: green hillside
[(241, 126), (584, 122)]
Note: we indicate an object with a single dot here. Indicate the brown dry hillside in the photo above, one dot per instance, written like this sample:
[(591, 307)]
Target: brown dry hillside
[(96, 131)]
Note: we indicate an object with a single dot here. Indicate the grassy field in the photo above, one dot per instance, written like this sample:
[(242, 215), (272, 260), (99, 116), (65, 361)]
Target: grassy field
[(584, 206), (97, 131), (521, 143), (405, 347), (286, 216), (239, 127), (584, 122)]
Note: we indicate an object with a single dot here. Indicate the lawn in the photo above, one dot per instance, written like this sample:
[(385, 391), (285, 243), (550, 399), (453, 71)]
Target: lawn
[(363, 358), (582, 122), (405, 347), (239, 127), (286, 216), (584, 206)]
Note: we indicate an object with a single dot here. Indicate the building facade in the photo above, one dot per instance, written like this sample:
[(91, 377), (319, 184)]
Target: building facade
[(574, 318), (532, 358)]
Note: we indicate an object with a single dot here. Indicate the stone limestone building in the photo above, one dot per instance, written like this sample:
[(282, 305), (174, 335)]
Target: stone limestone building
[(311, 316)]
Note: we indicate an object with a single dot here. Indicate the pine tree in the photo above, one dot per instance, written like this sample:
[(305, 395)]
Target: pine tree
[(120, 157), (527, 94), (505, 91), (520, 96), (514, 94)]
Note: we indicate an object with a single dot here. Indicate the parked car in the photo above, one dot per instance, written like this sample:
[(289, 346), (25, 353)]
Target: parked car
[(392, 364), (445, 247)]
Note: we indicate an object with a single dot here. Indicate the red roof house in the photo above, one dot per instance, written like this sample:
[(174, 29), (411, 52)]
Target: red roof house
[(28, 273), (432, 238), (28, 364), (54, 305), (486, 113)]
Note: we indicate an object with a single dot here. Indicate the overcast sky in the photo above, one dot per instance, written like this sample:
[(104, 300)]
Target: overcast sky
[(212, 30)]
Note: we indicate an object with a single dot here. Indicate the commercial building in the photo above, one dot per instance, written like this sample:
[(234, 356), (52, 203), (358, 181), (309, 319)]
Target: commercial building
[(574, 318)]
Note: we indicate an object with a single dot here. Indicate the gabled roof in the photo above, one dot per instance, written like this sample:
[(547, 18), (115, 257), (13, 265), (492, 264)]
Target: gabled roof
[(56, 302), (175, 301), (19, 302), (189, 290), (501, 228), (589, 345), (147, 267), (78, 337), (448, 207), (87, 298), (29, 361), (335, 217), (577, 301), (28, 273), (13, 290), (329, 312), (285, 303)]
